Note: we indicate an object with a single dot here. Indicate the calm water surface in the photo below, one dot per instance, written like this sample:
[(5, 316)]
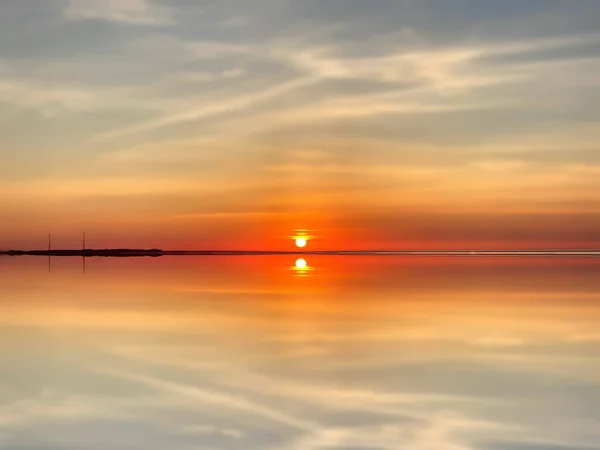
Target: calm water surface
[(263, 353)]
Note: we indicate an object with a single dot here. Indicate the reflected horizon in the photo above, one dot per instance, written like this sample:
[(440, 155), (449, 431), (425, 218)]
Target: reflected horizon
[(241, 352)]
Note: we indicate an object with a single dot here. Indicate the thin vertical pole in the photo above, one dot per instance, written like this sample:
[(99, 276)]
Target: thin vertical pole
[(83, 252), (49, 252)]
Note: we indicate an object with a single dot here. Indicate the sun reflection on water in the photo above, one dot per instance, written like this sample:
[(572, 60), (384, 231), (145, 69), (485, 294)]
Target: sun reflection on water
[(301, 268)]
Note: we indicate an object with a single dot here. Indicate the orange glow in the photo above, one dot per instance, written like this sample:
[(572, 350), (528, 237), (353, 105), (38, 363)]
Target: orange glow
[(301, 237), (301, 242), (301, 268)]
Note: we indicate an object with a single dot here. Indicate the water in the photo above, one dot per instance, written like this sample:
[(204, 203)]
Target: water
[(359, 353)]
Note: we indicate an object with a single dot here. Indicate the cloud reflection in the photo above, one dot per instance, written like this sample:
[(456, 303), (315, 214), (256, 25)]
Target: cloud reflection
[(420, 354)]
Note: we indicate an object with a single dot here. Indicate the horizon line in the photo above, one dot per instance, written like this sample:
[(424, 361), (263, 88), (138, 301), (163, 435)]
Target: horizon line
[(155, 252)]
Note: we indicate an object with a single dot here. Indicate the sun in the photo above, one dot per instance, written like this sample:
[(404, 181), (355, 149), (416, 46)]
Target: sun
[(301, 242)]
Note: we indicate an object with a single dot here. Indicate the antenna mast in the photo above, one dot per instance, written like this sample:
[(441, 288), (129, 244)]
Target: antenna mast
[(49, 252), (83, 251)]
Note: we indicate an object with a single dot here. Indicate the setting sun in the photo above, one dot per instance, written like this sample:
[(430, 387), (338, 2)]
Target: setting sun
[(301, 242)]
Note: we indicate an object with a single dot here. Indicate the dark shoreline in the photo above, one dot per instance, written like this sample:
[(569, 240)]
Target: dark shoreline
[(127, 253)]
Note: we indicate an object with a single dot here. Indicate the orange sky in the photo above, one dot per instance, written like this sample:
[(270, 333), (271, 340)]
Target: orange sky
[(147, 124)]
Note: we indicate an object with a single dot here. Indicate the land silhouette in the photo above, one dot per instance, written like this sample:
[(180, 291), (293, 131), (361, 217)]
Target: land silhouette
[(107, 252)]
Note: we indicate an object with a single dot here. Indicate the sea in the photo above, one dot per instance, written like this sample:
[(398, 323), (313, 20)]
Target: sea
[(281, 352)]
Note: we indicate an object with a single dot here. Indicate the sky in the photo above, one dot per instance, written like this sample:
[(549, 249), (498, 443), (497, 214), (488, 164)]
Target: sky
[(234, 124)]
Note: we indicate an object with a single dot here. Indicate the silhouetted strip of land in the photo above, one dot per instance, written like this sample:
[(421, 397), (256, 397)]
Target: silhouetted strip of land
[(115, 252), (124, 253)]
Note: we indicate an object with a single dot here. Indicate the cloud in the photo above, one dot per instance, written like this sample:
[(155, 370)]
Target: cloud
[(195, 393), (420, 423), (138, 12), (215, 109), (52, 101), (584, 169), (442, 431), (499, 165), (55, 407), (455, 91), (449, 80)]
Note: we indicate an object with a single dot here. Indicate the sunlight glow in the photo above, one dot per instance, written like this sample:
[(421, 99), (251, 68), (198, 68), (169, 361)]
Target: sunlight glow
[(301, 264), (301, 242)]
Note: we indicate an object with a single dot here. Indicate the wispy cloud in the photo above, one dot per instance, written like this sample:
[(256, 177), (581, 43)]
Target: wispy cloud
[(217, 108), (497, 103), (434, 81), (201, 395), (139, 12)]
